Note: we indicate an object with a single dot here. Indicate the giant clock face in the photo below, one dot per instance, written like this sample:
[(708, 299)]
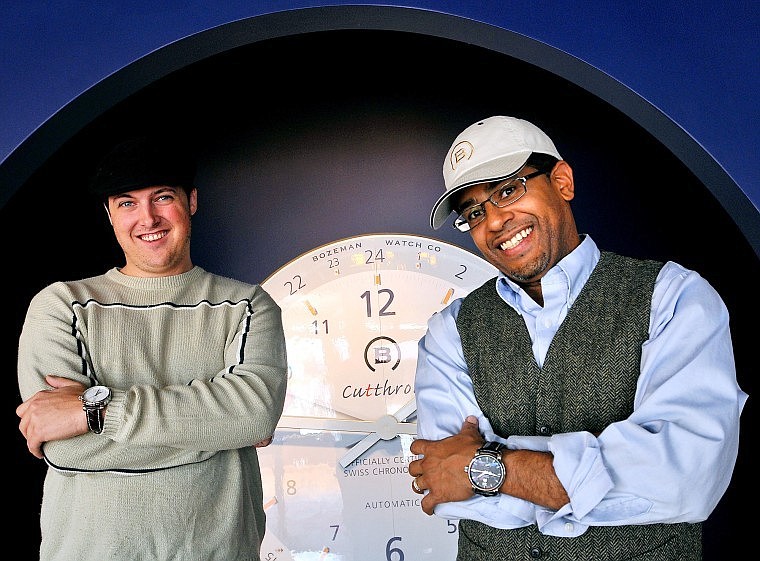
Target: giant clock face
[(336, 481)]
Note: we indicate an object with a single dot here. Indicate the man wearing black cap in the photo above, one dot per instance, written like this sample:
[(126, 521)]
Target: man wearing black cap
[(582, 404), (147, 388)]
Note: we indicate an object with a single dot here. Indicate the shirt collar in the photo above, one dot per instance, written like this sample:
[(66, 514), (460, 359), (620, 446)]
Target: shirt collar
[(571, 272)]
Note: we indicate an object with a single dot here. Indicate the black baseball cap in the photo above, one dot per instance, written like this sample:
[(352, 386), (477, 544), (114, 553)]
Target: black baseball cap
[(143, 162)]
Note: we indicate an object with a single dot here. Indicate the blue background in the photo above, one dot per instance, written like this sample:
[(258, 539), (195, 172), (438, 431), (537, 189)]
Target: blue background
[(695, 60)]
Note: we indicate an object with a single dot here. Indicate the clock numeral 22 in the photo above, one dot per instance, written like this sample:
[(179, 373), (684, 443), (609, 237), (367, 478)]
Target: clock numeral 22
[(295, 285)]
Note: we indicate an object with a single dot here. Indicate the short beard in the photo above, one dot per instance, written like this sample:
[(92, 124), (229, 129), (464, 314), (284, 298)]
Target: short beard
[(531, 270)]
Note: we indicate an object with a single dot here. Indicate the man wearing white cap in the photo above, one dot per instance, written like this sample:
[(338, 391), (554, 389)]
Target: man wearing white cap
[(582, 404)]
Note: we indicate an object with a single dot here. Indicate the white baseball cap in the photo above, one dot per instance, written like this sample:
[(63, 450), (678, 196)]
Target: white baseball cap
[(490, 150)]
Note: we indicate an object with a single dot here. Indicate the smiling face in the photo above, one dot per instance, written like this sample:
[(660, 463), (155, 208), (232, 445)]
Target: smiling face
[(527, 238), (152, 226)]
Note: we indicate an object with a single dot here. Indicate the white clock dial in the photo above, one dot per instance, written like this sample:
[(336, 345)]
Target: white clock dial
[(353, 312)]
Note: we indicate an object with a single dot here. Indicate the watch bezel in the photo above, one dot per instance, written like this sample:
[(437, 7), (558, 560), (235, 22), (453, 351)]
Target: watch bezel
[(102, 402), (490, 452)]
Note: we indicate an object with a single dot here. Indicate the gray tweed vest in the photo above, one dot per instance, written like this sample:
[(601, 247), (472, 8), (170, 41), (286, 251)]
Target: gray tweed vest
[(587, 382)]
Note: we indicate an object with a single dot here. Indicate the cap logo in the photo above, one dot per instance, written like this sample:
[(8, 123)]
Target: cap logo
[(462, 151)]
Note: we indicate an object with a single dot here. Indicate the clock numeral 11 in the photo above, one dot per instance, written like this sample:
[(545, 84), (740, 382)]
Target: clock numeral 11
[(315, 325)]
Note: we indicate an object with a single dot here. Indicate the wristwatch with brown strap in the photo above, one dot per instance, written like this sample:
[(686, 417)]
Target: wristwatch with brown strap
[(94, 401)]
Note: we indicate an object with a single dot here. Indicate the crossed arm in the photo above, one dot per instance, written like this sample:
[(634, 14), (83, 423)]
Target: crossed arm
[(440, 471)]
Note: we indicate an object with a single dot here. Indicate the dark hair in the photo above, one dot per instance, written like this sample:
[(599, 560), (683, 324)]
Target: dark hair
[(542, 162)]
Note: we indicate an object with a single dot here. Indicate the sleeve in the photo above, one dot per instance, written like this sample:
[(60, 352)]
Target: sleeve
[(444, 399), (47, 344), (683, 434), (231, 408), (149, 427), (672, 459)]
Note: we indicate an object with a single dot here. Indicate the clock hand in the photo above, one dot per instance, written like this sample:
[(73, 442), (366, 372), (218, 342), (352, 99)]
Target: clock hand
[(325, 423), (482, 472), (389, 427), (386, 423)]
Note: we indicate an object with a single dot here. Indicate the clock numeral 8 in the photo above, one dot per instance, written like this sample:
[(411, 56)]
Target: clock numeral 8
[(291, 490)]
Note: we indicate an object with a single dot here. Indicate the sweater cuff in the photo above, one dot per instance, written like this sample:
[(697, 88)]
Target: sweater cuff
[(114, 413)]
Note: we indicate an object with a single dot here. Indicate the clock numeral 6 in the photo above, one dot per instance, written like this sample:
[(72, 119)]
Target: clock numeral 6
[(393, 553)]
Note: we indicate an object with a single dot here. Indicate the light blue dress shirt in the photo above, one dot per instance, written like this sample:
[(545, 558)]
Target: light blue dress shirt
[(670, 461)]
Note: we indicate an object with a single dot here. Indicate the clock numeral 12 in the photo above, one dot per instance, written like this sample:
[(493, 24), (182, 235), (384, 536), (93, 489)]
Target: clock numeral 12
[(384, 309)]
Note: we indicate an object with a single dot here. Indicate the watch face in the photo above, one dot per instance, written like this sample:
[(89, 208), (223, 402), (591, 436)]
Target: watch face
[(486, 472), (335, 477), (96, 394)]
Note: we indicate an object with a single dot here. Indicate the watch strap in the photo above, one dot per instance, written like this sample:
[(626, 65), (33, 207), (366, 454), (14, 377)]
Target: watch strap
[(494, 448), (94, 418)]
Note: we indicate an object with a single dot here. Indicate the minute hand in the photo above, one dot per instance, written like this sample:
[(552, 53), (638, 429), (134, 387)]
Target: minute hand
[(388, 428)]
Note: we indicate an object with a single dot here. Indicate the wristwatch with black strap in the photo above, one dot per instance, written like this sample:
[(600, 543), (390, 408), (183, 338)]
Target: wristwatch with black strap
[(486, 470), (94, 401)]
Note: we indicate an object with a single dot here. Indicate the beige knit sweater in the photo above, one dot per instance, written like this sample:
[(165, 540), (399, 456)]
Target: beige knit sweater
[(197, 366)]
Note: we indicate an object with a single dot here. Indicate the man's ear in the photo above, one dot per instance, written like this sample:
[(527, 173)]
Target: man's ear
[(562, 179), (108, 212), (193, 201)]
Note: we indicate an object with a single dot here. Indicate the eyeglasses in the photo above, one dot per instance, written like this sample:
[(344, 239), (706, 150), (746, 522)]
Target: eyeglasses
[(504, 195)]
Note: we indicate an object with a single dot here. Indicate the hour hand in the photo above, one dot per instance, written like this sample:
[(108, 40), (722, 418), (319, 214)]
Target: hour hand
[(388, 427)]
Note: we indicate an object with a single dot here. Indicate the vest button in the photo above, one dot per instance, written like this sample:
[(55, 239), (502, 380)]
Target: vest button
[(535, 552), (545, 430)]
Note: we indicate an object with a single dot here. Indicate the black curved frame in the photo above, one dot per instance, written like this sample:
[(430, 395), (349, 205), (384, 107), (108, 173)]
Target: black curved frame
[(48, 138)]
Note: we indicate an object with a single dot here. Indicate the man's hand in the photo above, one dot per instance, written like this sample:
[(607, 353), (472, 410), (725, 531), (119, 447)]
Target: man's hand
[(54, 414), (441, 469), (263, 443)]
